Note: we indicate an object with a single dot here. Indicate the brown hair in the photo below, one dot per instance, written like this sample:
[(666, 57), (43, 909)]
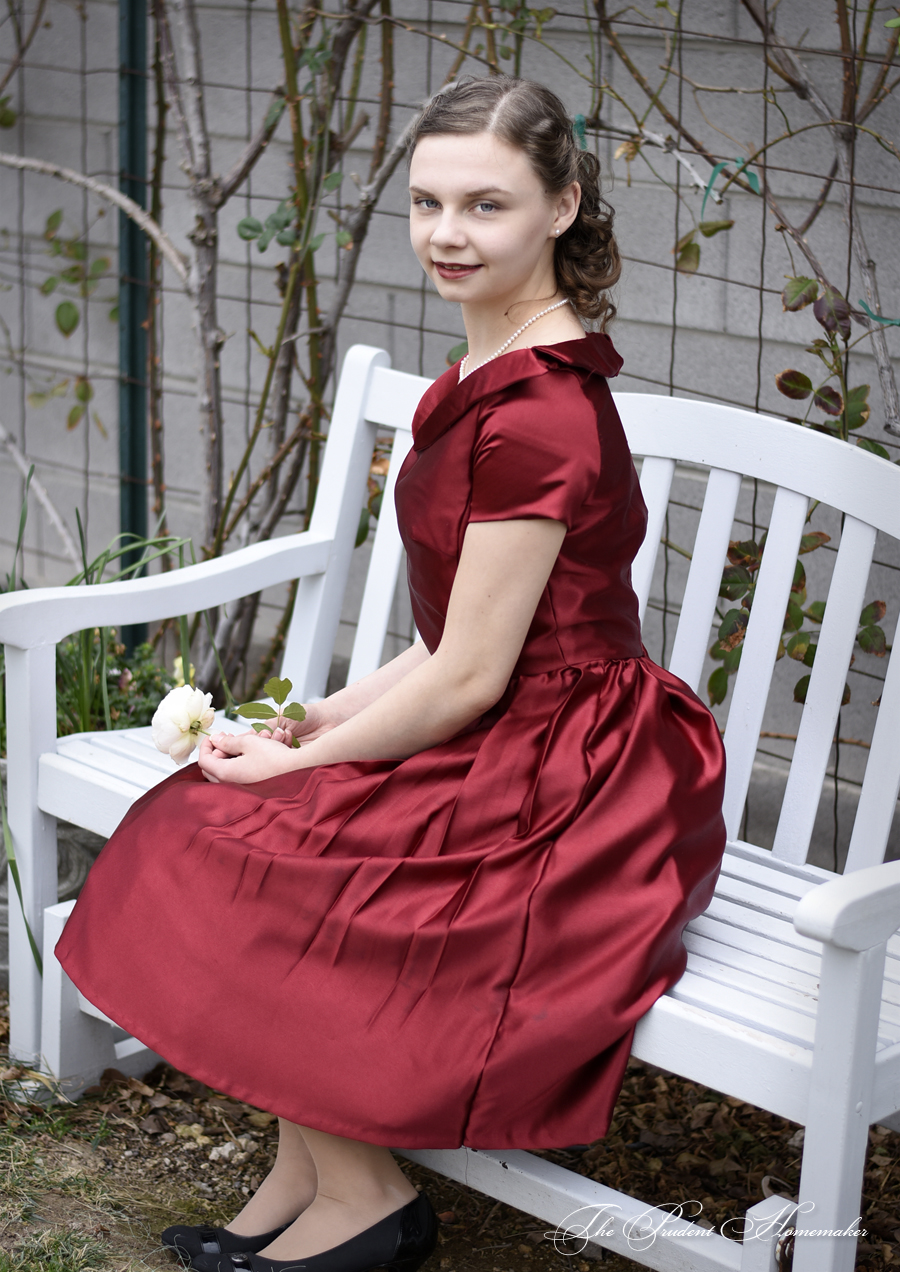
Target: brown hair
[(532, 118)]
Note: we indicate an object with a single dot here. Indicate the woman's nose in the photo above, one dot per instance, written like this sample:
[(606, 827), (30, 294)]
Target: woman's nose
[(448, 232)]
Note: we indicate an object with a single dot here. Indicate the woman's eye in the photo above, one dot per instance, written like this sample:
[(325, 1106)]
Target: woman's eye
[(428, 204), (486, 207)]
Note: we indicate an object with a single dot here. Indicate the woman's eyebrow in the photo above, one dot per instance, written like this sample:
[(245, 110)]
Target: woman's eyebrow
[(469, 194)]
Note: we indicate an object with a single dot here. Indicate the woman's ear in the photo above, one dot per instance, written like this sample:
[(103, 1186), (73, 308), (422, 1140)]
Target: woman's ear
[(567, 204)]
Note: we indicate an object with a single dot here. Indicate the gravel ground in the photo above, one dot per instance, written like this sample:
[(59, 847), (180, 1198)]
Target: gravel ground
[(90, 1185)]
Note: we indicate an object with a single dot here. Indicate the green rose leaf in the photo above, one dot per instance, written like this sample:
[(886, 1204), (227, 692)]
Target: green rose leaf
[(736, 581), (74, 417), (332, 181), (257, 711), (874, 612), (84, 390), (67, 317), (794, 384), (857, 406), (871, 640), (458, 351), (809, 542), (249, 228), (54, 221), (294, 711), (810, 656), (816, 611), (277, 689), (709, 228), (798, 293), (688, 259), (793, 619), (286, 237), (829, 400), (49, 285), (717, 686), (8, 116), (316, 243), (344, 238), (833, 313), (362, 530), (866, 443), (274, 113), (732, 659), (800, 689), (798, 645)]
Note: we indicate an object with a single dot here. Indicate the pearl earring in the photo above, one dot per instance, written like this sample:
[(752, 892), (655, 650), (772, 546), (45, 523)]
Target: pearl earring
[(556, 232)]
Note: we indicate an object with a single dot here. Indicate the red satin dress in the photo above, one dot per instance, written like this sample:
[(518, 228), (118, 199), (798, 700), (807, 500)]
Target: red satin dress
[(453, 948)]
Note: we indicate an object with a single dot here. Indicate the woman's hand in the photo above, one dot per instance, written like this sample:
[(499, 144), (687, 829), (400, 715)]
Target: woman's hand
[(244, 757), (317, 722)]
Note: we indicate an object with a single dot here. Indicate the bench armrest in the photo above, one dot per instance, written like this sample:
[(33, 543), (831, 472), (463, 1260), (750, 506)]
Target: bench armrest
[(855, 911), (30, 619)]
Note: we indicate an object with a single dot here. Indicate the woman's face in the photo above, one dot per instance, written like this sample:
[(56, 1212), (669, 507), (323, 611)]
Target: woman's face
[(480, 222)]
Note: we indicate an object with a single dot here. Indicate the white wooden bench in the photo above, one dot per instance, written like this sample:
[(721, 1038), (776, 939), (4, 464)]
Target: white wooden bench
[(791, 997)]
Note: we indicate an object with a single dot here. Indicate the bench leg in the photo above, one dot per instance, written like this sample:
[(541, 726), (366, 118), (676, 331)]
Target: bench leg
[(837, 1124), (765, 1224), (78, 1046)]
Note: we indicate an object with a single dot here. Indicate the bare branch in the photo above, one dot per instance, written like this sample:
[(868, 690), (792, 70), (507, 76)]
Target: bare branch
[(23, 45), (235, 177), (192, 77), (173, 83), (40, 494), (168, 249)]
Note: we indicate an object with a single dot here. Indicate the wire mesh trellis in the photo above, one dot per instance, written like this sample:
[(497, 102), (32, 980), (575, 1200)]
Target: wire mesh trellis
[(691, 106)]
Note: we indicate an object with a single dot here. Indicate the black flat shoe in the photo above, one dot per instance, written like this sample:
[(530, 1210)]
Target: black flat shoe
[(190, 1242), (401, 1242)]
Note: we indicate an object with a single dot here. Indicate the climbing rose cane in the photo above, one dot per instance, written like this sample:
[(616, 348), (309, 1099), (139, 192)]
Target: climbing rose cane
[(183, 714)]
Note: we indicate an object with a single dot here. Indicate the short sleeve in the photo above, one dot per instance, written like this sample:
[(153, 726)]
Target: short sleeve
[(537, 452)]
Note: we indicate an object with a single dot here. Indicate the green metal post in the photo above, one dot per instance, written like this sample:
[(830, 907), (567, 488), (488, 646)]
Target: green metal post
[(133, 280)]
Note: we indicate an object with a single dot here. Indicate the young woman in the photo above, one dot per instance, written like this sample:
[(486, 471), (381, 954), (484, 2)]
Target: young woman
[(438, 921)]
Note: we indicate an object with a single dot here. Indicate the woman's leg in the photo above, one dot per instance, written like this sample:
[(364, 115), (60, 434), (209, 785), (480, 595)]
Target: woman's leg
[(358, 1184), (287, 1190)]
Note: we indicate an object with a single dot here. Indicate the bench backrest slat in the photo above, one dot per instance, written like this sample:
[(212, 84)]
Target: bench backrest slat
[(826, 685), (881, 783), (701, 592), (656, 483)]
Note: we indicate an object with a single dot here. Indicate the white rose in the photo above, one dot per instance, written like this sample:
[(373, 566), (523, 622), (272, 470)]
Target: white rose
[(179, 719)]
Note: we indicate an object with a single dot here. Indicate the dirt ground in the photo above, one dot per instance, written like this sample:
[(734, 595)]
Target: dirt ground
[(89, 1186)]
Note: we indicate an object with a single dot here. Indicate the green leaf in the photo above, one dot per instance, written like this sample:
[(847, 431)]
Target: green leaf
[(332, 181), (793, 618), (67, 317), (286, 237), (800, 689), (294, 711), (99, 267), (249, 228), (683, 241), (274, 113), (278, 690), (732, 659), (829, 400), (744, 552), (505, 52), (458, 351), (257, 711), (49, 285), (688, 260), (74, 417), (736, 581), (866, 443), (871, 640), (75, 250), (798, 583), (84, 390), (732, 628), (344, 238), (798, 293), (265, 238), (857, 406), (816, 611), (794, 384), (316, 243), (709, 228), (893, 22), (258, 727), (874, 612), (809, 542), (54, 221), (810, 656), (72, 274), (833, 313), (798, 645), (114, 314), (717, 686), (8, 116), (362, 531)]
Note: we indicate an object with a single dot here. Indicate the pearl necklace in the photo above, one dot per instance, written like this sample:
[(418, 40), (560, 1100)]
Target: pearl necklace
[(463, 369)]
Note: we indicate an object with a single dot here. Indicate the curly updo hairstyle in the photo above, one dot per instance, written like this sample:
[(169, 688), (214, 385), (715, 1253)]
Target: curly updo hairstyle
[(532, 118)]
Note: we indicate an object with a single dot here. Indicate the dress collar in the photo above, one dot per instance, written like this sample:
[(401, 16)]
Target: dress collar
[(447, 400)]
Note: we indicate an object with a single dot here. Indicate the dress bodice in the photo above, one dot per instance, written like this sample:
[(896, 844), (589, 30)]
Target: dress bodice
[(533, 434)]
